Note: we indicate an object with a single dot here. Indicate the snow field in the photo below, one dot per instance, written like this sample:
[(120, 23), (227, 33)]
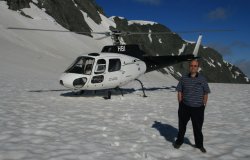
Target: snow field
[(41, 120)]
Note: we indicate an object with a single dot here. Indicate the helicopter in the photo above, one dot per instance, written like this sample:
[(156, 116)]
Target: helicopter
[(115, 65)]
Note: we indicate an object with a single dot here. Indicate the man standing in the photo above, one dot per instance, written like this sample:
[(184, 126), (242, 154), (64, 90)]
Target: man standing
[(192, 95)]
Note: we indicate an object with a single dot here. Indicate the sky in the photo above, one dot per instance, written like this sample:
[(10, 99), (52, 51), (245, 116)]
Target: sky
[(188, 15)]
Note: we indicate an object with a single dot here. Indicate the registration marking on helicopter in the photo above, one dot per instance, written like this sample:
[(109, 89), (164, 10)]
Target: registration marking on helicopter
[(128, 76), (113, 79)]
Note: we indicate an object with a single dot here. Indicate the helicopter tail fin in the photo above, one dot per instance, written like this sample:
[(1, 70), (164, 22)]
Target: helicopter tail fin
[(197, 46)]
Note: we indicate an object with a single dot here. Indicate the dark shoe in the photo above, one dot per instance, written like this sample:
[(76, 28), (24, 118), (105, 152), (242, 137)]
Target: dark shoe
[(176, 146), (203, 150)]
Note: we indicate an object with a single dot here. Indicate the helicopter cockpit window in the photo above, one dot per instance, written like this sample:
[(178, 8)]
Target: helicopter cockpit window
[(114, 65), (100, 66), (82, 65)]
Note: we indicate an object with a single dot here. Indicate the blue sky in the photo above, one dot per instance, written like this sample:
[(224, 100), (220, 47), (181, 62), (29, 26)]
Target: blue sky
[(183, 15)]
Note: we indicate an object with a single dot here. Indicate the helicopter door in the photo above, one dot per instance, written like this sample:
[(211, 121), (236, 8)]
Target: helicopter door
[(99, 71), (114, 72)]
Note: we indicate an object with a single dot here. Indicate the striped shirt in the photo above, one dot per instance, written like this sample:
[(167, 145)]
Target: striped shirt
[(193, 89)]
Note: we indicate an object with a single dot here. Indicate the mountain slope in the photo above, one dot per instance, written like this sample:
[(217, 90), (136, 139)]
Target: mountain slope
[(88, 16)]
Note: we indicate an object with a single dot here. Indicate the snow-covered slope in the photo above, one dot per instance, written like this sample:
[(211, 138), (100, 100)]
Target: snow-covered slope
[(41, 120), (46, 51), (141, 22)]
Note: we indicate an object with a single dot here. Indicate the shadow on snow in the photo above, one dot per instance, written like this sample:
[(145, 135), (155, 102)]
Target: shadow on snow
[(86, 93), (48, 90), (169, 132), (104, 92)]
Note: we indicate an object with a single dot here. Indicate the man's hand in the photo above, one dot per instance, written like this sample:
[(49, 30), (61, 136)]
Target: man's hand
[(180, 97), (205, 98)]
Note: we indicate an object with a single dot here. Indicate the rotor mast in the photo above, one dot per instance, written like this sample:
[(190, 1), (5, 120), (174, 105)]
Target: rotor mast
[(116, 39)]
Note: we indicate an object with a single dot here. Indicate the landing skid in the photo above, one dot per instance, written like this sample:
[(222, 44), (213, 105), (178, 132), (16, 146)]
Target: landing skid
[(143, 90), (118, 88), (109, 93), (108, 96)]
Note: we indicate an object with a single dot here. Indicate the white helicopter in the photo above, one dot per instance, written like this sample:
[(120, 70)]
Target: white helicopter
[(116, 65)]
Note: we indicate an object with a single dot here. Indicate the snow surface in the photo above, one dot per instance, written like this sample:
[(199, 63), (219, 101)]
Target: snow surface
[(141, 22), (35, 1), (150, 36), (211, 59), (236, 74), (37, 14), (41, 120), (179, 74), (210, 63), (103, 27), (191, 42), (160, 41), (247, 79), (74, 3), (113, 17), (181, 50)]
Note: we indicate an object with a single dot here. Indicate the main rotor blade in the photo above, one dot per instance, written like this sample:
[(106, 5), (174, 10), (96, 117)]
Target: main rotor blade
[(33, 29), (206, 31), (52, 30), (125, 33), (182, 32), (100, 38)]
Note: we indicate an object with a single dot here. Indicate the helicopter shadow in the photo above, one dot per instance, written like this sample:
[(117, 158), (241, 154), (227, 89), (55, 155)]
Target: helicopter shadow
[(169, 132), (48, 90), (131, 90), (172, 88), (115, 92), (97, 93)]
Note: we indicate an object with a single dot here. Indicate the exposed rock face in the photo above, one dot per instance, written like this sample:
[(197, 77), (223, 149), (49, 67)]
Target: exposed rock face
[(18, 4), (65, 12), (91, 8), (150, 43), (69, 14)]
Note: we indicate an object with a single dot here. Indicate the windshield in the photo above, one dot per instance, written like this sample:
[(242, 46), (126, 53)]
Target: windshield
[(82, 65)]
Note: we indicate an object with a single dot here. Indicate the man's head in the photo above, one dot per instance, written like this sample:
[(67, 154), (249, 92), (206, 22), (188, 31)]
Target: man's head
[(193, 66)]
